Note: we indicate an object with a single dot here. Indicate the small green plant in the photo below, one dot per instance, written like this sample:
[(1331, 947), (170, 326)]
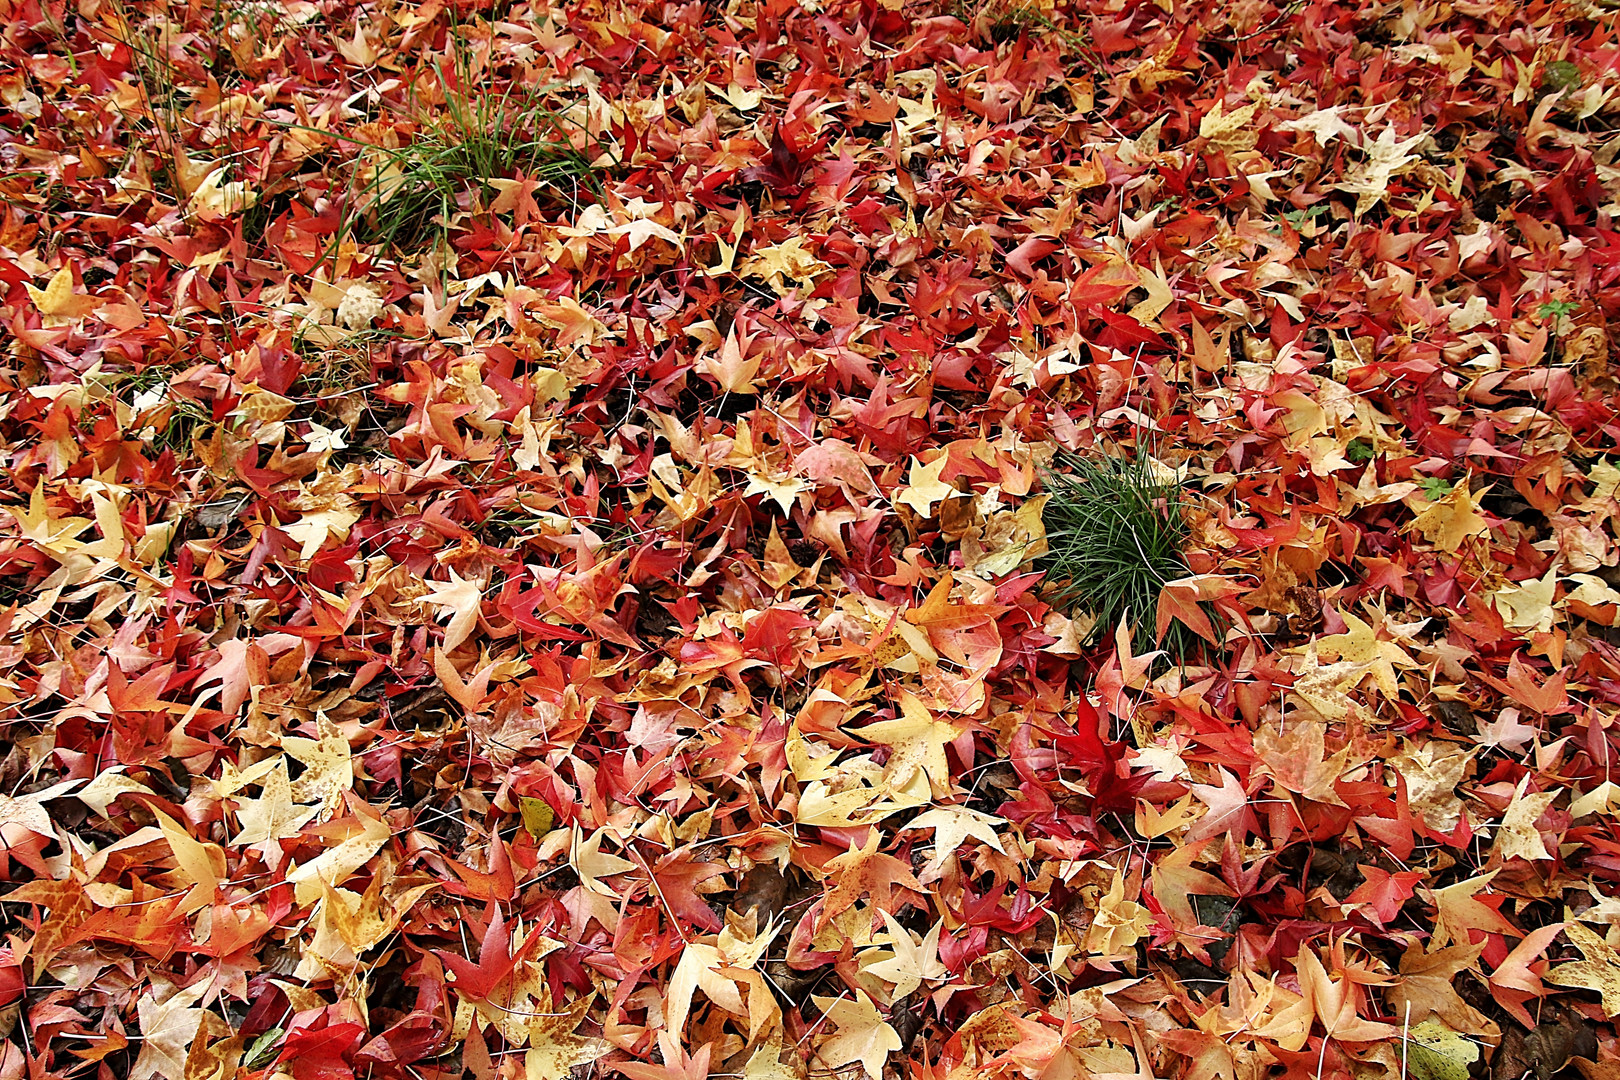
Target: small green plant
[(1298, 218), (156, 78), (472, 140), (1436, 488), (1004, 20), (334, 366), (1561, 75), (1557, 310), (1114, 534), (1360, 451)]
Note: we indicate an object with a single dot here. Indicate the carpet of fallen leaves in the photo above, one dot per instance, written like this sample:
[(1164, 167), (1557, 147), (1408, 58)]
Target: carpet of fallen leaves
[(598, 635)]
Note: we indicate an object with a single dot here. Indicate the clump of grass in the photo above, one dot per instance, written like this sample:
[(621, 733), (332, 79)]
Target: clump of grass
[(1114, 534), (463, 146), (1002, 21)]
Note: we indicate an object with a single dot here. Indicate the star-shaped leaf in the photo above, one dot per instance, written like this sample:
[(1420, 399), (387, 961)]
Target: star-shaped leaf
[(1600, 970), (460, 599), (952, 826), (863, 1035), (272, 817), (58, 302), (925, 488)]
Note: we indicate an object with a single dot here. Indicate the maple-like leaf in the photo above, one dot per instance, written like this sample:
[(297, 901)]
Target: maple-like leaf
[(1118, 924), (1176, 881), (1333, 1002), (916, 741), (708, 968), (1228, 812), (1449, 521), (865, 870), (328, 766), (1297, 759), (555, 1050), (952, 826), (58, 302), (679, 880), (765, 1063), (1387, 158), (496, 959), (1383, 891), (862, 1034), (1428, 986), (202, 864), (26, 826), (788, 261), (169, 1021), (913, 962), (1517, 980), (1457, 912), (924, 487), (678, 1064), (1517, 836), (272, 817), (592, 863), (1600, 970), (731, 369), (335, 865), (461, 599), (1541, 694), (1528, 605), (1507, 732)]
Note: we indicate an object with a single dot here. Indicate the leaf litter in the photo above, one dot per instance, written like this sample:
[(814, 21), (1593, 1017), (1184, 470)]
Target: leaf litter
[(526, 527)]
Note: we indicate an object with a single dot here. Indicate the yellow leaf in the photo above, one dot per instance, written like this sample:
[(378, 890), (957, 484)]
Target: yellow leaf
[(862, 1035), (730, 369), (272, 817), (203, 864), (1008, 540), (738, 98), (1231, 131), (460, 598), (1600, 970), (312, 530), (1517, 836), (952, 826), (216, 197), (728, 252), (917, 749), (1119, 923), (784, 489), (909, 962), (336, 864), (1528, 605), (1159, 296), (328, 765), (781, 262), (1448, 521), (54, 534), (555, 1051), (538, 816), (592, 864), (169, 1021), (58, 302), (766, 1063), (1435, 1052), (925, 487), (707, 968), (1152, 824)]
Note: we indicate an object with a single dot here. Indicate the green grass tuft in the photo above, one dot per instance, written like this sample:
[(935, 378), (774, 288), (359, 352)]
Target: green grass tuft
[(1115, 537), (465, 144)]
